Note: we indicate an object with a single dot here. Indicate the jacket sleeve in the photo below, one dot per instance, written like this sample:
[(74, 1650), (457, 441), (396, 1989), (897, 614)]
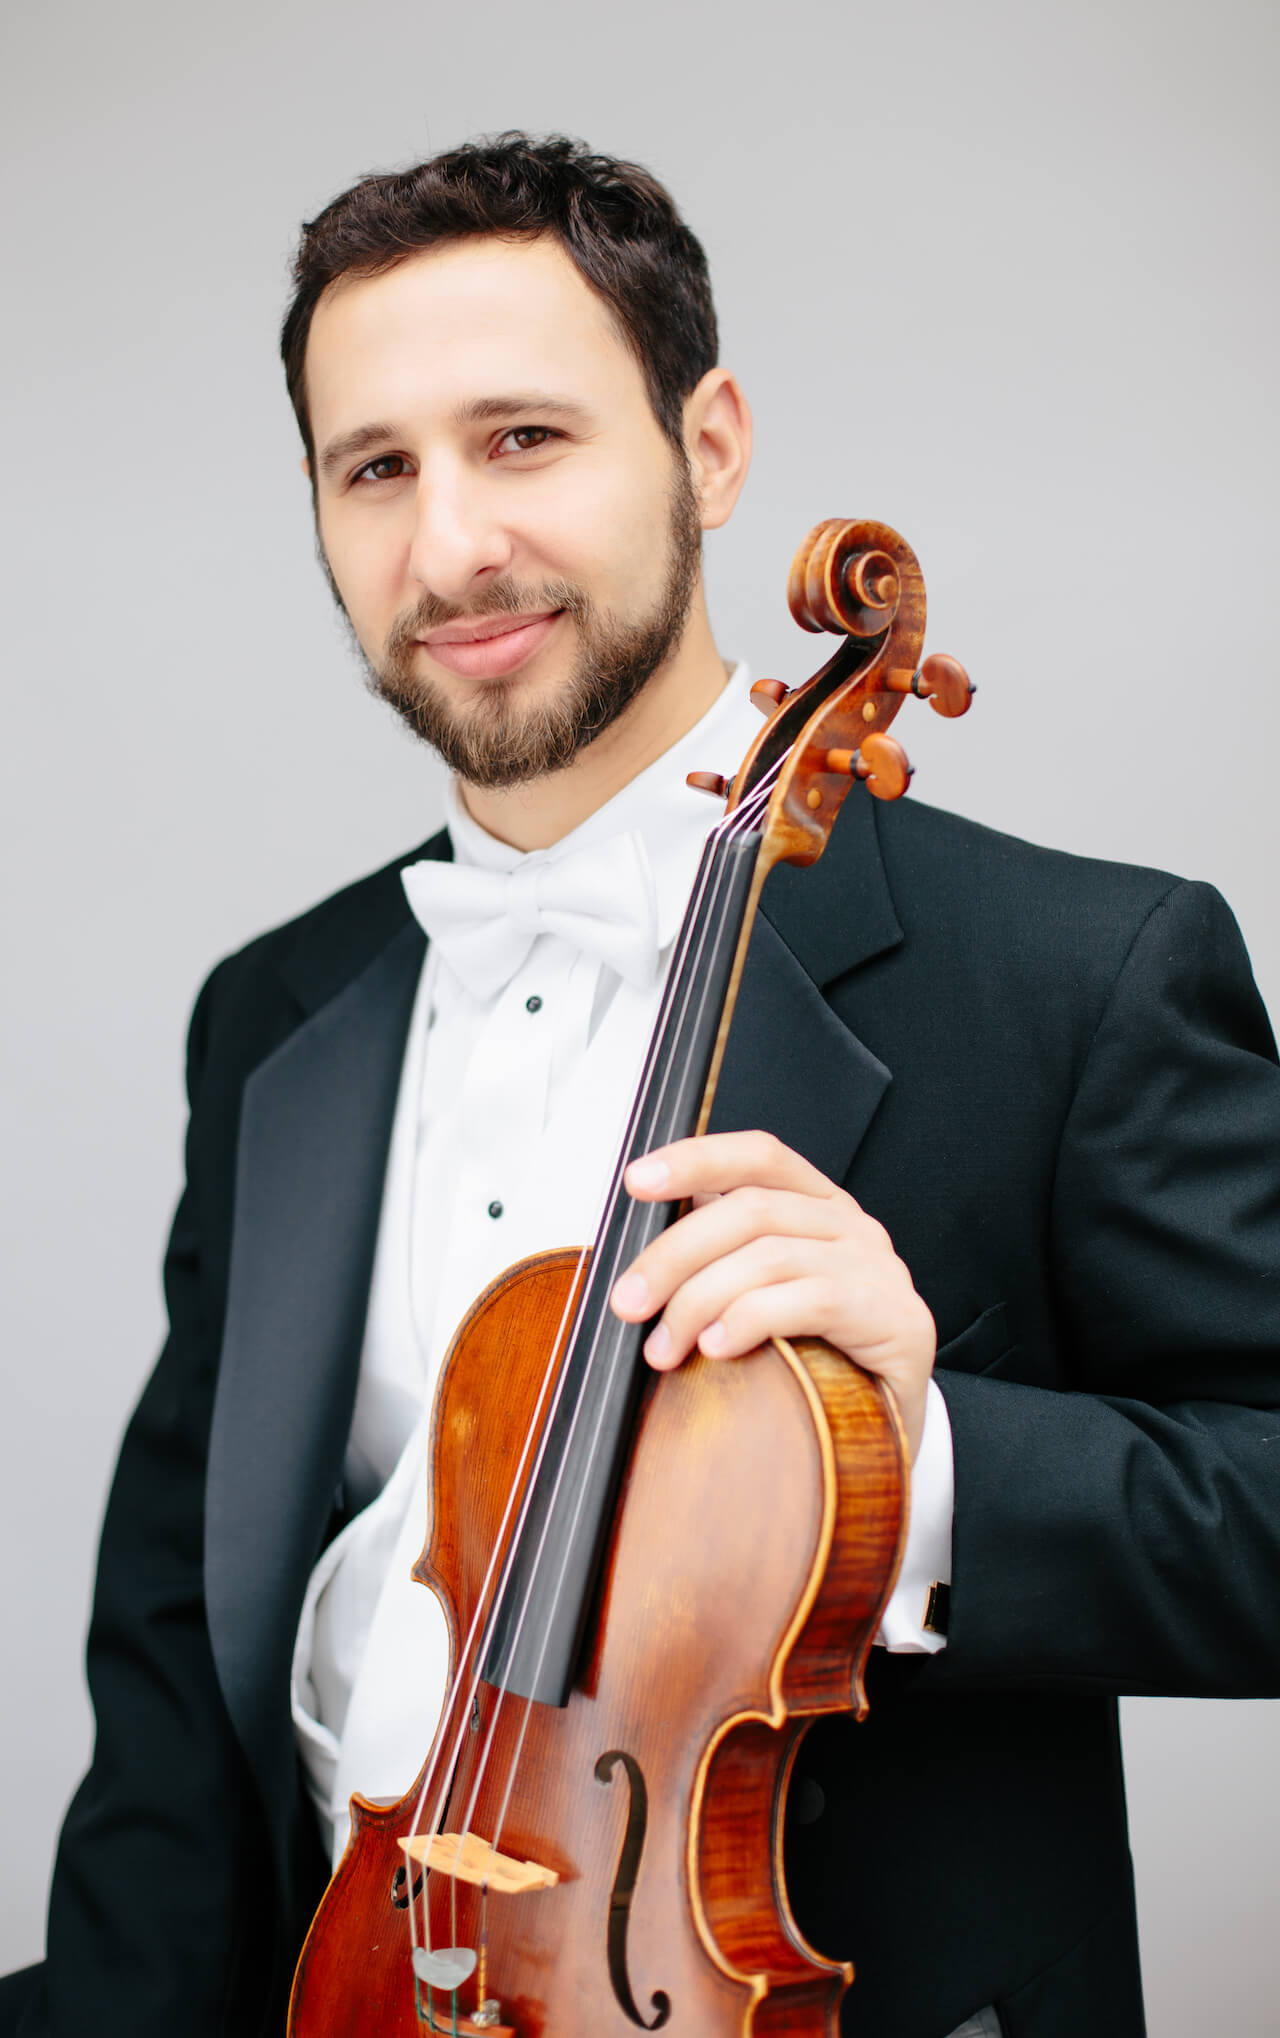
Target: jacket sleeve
[(1124, 1536), (161, 1883)]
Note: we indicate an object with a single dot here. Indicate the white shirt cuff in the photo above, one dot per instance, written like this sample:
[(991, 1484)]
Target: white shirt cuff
[(928, 1553)]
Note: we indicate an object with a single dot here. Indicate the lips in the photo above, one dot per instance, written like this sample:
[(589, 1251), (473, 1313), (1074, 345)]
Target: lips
[(492, 647)]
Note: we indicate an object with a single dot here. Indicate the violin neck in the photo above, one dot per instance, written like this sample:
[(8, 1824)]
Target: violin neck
[(535, 1635)]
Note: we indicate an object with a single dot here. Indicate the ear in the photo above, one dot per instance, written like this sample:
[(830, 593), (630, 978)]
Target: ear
[(306, 467), (717, 439)]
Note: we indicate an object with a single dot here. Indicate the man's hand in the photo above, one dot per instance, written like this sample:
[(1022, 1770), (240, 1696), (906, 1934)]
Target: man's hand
[(771, 1248)]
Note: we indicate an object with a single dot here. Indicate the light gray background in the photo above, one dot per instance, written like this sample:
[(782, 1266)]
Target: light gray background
[(1002, 274)]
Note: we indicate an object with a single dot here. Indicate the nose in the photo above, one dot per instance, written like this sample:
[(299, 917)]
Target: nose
[(458, 539)]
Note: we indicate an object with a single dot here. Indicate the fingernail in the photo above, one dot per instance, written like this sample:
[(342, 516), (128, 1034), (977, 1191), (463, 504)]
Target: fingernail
[(648, 1174), (657, 1347), (631, 1295), (712, 1339)]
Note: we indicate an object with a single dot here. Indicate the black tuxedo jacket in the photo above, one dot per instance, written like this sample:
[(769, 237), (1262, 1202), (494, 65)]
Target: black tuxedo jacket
[(1054, 1083)]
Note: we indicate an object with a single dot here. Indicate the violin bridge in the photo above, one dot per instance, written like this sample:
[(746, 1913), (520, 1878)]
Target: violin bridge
[(468, 1858)]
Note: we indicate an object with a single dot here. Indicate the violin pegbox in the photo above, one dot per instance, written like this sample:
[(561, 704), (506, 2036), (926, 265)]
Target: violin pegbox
[(839, 583), (861, 581)]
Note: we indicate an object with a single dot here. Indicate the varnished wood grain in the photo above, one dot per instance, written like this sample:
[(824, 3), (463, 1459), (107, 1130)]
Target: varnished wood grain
[(743, 1522)]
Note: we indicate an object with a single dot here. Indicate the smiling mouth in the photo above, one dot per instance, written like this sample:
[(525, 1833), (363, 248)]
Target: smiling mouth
[(492, 646)]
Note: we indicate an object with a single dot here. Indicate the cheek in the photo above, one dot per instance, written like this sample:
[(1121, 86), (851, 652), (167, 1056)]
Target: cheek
[(607, 533), (369, 561)]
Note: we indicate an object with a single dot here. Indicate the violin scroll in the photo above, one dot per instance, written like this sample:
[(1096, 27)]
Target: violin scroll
[(861, 581), (838, 582)]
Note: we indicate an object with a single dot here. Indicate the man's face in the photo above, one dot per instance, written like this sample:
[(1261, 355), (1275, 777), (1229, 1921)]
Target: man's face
[(512, 538)]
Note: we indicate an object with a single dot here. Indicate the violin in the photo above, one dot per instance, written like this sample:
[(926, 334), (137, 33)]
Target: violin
[(637, 1644)]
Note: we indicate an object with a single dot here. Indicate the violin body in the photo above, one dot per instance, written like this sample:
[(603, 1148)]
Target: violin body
[(756, 1539)]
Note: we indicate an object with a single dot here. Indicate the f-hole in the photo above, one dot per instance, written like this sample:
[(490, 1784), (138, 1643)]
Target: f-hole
[(624, 1884), (398, 1896)]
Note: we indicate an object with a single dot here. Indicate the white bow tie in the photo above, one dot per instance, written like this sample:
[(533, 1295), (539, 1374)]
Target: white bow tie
[(599, 899)]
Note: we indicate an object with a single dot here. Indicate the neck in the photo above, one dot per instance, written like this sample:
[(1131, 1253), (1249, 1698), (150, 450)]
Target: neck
[(542, 812)]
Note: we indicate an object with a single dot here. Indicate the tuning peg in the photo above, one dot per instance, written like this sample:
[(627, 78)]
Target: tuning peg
[(941, 681), (946, 685), (881, 761), (709, 782), (769, 694)]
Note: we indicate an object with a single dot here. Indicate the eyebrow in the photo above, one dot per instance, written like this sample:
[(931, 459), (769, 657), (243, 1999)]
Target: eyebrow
[(484, 409), (481, 410), (348, 444)]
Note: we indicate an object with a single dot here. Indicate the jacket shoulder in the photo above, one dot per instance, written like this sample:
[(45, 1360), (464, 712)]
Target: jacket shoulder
[(970, 884), (1061, 934)]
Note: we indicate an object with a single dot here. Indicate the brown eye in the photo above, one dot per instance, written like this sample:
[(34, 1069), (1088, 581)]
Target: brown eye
[(383, 460), (527, 438)]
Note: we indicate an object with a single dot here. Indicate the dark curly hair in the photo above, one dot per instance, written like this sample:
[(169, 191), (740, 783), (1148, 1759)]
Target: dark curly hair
[(616, 222)]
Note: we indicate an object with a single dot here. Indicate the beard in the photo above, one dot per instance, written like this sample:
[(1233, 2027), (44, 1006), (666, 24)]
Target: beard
[(497, 740)]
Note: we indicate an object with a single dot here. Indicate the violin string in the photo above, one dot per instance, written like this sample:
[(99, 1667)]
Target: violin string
[(540, 1432), (484, 1600), (736, 823), (610, 1191), (744, 818), (482, 1604), (608, 1203)]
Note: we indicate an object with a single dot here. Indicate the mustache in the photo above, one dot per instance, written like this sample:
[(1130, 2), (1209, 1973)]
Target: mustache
[(506, 597)]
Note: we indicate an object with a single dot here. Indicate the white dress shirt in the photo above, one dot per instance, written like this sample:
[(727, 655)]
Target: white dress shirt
[(510, 1113)]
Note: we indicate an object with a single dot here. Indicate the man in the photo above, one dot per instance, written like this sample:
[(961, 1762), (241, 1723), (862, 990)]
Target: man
[(999, 1124)]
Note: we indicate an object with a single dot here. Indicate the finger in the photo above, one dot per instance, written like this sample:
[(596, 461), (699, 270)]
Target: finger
[(859, 1319), (712, 1294), (721, 1161), (720, 1226)]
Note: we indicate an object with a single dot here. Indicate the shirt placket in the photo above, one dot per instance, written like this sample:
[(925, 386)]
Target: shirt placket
[(497, 1208)]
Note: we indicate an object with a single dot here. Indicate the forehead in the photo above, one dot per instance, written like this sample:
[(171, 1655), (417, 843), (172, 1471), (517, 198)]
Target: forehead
[(460, 322)]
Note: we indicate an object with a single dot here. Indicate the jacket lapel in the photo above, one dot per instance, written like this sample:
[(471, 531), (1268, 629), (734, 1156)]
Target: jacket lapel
[(314, 1129)]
